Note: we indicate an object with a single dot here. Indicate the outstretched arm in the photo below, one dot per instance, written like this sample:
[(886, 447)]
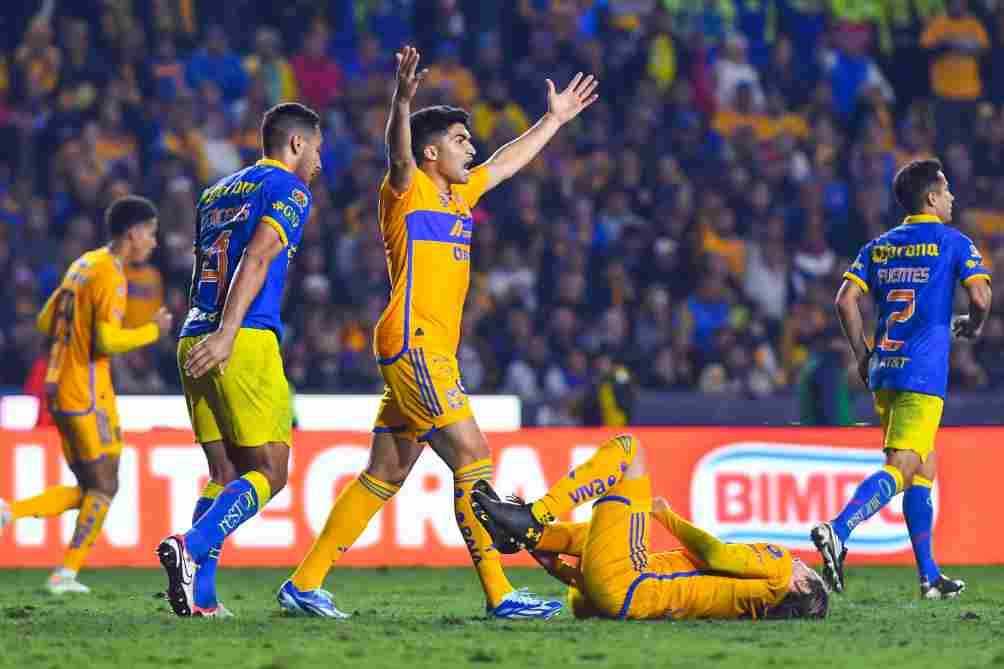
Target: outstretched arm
[(558, 568), (561, 108), (400, 160)]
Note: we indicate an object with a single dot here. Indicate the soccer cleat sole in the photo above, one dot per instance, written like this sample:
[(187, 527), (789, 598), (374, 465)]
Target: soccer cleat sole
[(171, 558), (833, 572)]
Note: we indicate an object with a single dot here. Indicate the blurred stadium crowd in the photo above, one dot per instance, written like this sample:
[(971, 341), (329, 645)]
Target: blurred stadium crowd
[(690, 231)]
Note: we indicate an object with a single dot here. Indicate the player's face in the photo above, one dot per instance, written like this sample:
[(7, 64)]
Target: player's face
[(942, 199), (309, 163), (144, 240), (455, 154)]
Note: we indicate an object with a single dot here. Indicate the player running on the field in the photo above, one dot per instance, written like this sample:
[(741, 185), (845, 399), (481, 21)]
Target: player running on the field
[(83, 320), (248, 227), (912, 272), (425, 219), (619, 577)]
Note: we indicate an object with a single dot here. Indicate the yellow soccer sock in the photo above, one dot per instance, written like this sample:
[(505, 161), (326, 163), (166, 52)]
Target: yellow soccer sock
[(50, 502), (350, 515), (740, 560), (485, 557), (93, 509), (592, 479), (564, 538)]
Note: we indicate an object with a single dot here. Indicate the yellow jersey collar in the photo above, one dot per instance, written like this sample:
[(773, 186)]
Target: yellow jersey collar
[(272, 162), (922, 218)]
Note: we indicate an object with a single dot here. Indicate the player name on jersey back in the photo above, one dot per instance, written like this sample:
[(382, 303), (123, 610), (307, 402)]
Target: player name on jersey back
[(913, 271), (228, 214)]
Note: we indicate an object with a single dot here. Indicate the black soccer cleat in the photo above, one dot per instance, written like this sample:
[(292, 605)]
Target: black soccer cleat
[(833, 552), (943, 588), (510, 524)]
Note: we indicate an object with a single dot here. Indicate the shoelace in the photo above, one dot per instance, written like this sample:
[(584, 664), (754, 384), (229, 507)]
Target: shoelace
[(524, 596)]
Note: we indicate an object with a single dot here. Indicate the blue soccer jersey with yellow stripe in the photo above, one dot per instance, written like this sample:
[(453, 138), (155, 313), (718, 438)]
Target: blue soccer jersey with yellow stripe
[(912, 272), (227, 216)]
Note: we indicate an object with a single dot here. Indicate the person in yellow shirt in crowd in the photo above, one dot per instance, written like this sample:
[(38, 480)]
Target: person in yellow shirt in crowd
[(84, 321), (268, 63), (956, 40)]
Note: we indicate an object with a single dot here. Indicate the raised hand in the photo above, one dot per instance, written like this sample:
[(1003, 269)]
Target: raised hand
[(570, 102), (408, 75)]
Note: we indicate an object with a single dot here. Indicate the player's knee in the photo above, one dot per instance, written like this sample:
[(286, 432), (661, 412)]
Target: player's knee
[(222, 472), (636, 459), (106, 485)]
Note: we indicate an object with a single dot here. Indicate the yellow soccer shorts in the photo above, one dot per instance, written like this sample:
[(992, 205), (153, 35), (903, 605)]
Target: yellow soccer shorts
[(623, 580), (422, 394), (93, 435), (248, 402), (909, 420)]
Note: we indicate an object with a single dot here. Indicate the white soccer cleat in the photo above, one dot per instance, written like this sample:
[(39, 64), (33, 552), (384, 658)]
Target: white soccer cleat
[(64, 582), (6, 517), (943, 588), (180, 569)]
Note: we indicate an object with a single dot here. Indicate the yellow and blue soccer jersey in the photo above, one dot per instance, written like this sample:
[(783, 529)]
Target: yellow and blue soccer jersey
[(228, 214), (428, 257), (913, 270)]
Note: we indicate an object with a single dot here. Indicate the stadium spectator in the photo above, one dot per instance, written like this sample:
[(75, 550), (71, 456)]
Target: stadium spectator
[(956, 41), (662, 220), (268, 64), (216, 64)]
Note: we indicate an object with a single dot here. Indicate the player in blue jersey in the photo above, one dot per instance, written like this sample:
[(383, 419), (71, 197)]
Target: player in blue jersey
[(912, 272), (248, 227)]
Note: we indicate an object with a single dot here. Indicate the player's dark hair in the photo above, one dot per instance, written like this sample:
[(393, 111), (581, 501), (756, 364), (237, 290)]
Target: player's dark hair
[(126, 212), (284, 120), (914, 181), (812, 604), (426, 124)]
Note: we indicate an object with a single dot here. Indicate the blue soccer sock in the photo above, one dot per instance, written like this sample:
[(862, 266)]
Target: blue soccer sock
[(236, 504), (920, 520), (205, 575), (872, 494)]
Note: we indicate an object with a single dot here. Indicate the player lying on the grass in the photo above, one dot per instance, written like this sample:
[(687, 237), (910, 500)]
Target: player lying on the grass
[(248, 227), (619, 577), (425, 220), (912, 272), (83, 320)]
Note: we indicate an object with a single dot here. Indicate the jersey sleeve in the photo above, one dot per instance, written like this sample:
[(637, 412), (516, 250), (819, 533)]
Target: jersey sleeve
[(393, 205), (858, 271), (475, 187), (969, 264), (286, 206)]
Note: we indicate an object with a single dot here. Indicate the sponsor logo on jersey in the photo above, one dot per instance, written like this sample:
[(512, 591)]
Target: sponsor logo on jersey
[(883, 253), (757, 491), (299, 198), (287, 212)]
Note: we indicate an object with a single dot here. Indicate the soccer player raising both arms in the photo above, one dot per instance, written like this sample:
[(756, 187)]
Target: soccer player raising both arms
[(425, 218), (911, 272), (248, 226), (83, 320)]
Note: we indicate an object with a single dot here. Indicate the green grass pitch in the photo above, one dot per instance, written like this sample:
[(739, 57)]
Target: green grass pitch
[(410, 618)]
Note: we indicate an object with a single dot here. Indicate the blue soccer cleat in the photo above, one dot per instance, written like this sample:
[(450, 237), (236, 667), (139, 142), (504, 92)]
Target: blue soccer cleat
[(316, 603), (524, 605)]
